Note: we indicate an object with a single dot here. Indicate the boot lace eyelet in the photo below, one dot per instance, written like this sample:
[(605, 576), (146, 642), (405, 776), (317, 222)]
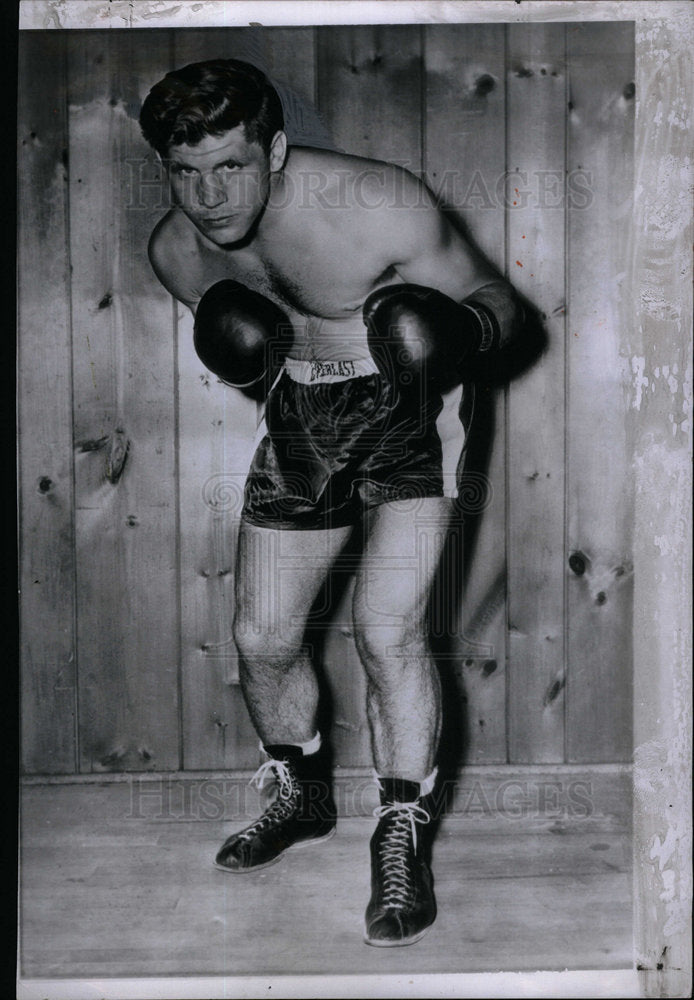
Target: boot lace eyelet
[(281, 808), (394, 851)]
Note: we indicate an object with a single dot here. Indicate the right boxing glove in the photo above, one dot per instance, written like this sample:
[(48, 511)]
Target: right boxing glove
[(241, 336), (416, 331)]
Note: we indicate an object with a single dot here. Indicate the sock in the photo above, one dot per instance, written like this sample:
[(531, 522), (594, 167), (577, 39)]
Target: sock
[(426, 785), (313, 745)]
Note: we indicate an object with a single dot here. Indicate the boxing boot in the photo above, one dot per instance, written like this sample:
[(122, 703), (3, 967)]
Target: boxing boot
[(303, 811), (402, 905)]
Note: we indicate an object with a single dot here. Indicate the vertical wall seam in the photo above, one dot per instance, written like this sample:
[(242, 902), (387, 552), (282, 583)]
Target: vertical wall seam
[(567, 346), (177, 501), (507, 407), (71, 389), (422, 104), (314, 37), (177, 531)]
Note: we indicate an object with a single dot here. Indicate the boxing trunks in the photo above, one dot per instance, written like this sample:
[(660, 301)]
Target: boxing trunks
[(338, 439)]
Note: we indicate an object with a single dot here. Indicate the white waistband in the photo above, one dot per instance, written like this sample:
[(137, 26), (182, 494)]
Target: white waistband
[(312, 372)]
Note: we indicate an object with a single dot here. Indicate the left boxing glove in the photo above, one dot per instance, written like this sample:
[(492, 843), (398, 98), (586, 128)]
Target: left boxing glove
[(240, 335), (415, 331)]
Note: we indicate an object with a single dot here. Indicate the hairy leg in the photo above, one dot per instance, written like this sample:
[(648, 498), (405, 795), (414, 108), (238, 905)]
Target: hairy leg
[(402, 553), (278, 576)]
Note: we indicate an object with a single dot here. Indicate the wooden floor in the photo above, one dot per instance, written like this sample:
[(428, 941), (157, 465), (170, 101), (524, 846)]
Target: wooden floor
[(107, 894)]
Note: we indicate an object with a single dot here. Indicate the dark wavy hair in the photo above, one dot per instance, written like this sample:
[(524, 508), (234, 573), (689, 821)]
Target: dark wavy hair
[(210, 98)]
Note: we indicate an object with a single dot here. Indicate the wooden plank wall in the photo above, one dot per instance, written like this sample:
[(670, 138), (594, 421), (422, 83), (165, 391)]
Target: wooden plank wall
[(47, 556), (536, 139), (464, 156), (600, 584), (133, 456), (123, 422)]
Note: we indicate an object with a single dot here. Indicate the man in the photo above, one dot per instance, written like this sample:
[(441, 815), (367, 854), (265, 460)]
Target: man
[(378, 308)]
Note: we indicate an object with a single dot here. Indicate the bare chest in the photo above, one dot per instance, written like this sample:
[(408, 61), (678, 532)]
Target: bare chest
[(328, 282)]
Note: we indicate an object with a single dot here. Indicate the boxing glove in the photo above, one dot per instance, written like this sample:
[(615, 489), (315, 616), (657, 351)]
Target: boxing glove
[(419, 333), (241, 336)]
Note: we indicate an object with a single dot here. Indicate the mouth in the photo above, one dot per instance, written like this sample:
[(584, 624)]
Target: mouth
[(218, 223)]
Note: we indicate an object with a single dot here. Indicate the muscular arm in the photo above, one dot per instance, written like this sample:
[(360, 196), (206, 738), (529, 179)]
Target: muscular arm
[(166, 254), (430, 251)]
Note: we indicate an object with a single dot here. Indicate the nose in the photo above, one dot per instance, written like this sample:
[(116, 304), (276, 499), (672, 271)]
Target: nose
[(210, 191)]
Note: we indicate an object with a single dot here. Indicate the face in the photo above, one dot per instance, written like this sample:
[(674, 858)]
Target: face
[(223, 182)]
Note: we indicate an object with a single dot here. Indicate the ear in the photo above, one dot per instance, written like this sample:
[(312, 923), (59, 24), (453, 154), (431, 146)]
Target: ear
[(278, 151)]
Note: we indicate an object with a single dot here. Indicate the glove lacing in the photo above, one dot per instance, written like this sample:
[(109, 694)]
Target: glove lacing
[(393, 850), (285, 803)]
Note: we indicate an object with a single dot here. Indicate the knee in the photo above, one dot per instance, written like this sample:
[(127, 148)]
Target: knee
[(263, 643), (387, 649)]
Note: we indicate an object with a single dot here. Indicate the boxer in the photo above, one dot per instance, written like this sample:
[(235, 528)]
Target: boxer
[(361, 325)]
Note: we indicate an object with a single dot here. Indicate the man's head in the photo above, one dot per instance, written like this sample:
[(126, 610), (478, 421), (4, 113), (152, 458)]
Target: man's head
[(218, 127), (208, 98)]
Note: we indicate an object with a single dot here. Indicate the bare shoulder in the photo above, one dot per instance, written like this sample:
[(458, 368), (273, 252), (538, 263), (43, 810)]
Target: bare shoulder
[(320, 171), (174, 256), (383, 205), (383, 199)]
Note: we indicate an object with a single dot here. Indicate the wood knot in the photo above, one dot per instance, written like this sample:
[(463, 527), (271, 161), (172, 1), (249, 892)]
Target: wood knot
[(484, 85), (92, 444), (45, 484), (114, 757), (117, 456), (553, 691), (577, 563)]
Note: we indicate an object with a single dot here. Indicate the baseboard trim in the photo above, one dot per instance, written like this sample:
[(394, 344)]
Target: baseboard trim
[(244, 774), (555, 796)]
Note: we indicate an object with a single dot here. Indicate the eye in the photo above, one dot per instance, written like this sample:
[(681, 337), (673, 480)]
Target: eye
[(230, 165), (180, 170)]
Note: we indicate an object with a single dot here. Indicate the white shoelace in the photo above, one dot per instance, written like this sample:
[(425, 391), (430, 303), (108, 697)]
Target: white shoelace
[(278, 770), (394, 849), (282, 806)]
